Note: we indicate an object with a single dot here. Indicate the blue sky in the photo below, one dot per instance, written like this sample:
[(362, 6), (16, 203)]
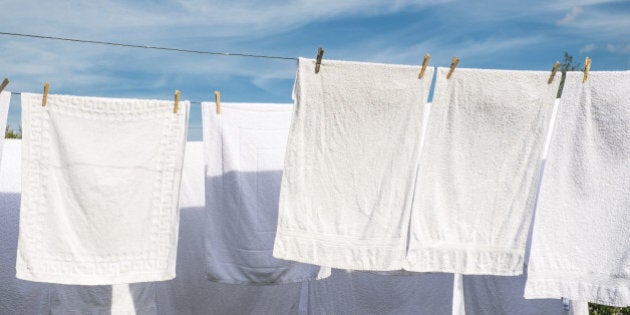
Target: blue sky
[(483, 34)]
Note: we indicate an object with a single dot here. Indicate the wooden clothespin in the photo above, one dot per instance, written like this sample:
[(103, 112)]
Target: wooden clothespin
[(4, 84), (556, 65), (320, 54), (45, 97), (217, 101), (454, 63), (587, 68), (425, 63), (176, 107)]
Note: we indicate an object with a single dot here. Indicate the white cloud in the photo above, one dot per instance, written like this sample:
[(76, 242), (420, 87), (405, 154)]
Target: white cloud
[(200, 18), (487, 33), (571, 15), (620, 48), (588, 48)]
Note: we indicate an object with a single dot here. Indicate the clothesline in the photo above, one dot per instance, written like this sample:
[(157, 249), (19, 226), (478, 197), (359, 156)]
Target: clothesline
[(191, 102), (319, 55), (86, 41)]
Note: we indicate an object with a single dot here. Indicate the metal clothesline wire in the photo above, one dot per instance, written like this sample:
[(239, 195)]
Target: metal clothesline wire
[(147, 47), (216, 53), (191, 102)]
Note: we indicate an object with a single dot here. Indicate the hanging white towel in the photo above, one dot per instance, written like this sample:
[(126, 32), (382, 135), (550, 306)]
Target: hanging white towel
[(478, 171), (348, 177), (188, 293), (100, 189), (244, 152), (26, 297), (581, 240), (5, 99)]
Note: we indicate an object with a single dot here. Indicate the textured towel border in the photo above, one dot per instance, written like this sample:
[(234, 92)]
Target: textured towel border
[(156, 264)]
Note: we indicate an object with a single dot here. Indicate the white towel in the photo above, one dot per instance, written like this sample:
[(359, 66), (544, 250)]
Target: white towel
[(192, 191), (188, 293), (348, 177), (100, 189), (244, 151), (478, 171), (191, 292), (581, 241), (5, 99)]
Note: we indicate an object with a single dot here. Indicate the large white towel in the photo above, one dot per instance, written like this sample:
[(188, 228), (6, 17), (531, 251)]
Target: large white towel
[(244, 152), (188, 293), (352, 152), (5, 99), (191, 292), (581, 241), (478, 171), (100, 189)]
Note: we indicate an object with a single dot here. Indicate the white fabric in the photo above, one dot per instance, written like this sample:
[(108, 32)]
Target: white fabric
[(352, 152), (459, 300), (581, 240), (100, 190), (188, 293), (5, 99), (244, 150), (478, 171), (578, 308), (26, 297), (360, 292)]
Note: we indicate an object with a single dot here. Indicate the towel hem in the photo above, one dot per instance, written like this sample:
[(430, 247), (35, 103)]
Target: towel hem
[(468, 261), (594, 292), (82, 279), (358, 256)]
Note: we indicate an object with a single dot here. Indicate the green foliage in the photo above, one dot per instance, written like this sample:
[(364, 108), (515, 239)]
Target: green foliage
[(10, 134), (596, 309)]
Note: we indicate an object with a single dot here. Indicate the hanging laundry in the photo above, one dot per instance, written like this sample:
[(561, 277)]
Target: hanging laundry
[(352, 151), (100, 189), (478, 171), (5, 99), (191, 292), (244, 149), (581, 237), (188, 293)]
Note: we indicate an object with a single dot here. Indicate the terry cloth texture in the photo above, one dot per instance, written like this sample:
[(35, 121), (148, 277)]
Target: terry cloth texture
[(581, 239), (188, 293), (244, 150), (352, 152), (478, 171), (5, 99), (101, 189)]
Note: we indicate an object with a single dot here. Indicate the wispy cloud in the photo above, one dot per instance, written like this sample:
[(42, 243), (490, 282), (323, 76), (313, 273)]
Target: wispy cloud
[(489, 34), (571, 15), (199, 18), (588, 48), (620, 48)]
